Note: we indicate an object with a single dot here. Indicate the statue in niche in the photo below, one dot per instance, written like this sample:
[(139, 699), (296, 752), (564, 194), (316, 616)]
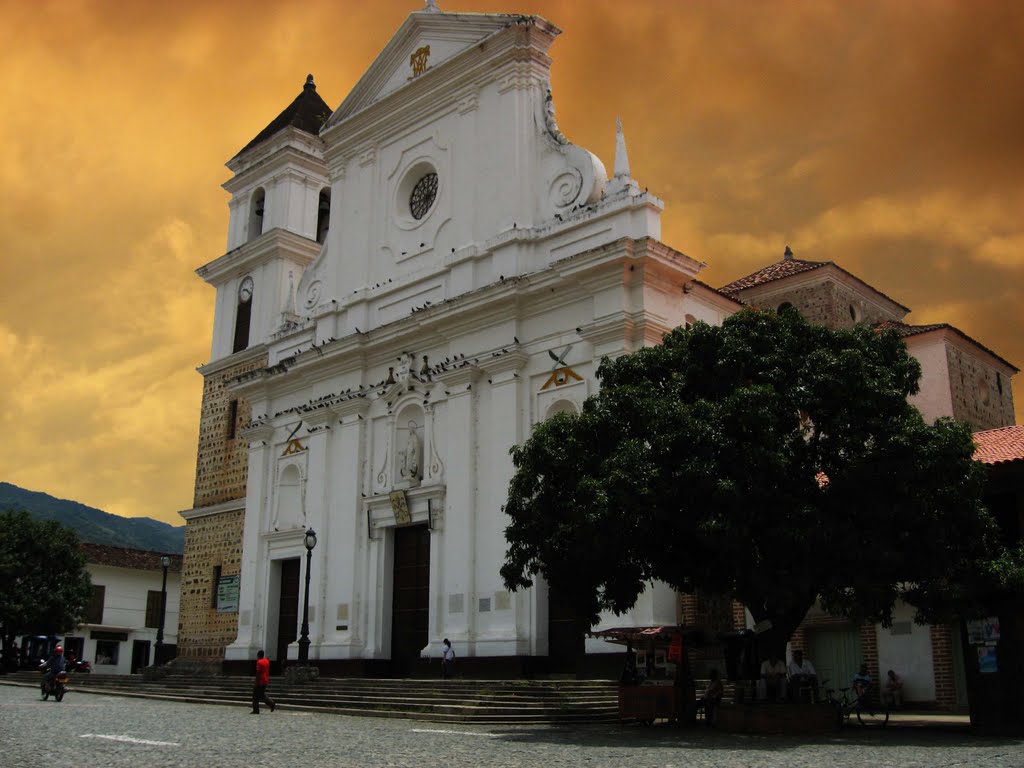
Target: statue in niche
[(411, 457)]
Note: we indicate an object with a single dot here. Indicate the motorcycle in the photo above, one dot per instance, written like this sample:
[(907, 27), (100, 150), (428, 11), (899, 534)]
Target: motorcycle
[(79, 667), (56, 687)]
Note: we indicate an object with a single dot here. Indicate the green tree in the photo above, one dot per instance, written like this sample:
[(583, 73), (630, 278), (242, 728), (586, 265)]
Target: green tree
[(767, 459), (44, 587)]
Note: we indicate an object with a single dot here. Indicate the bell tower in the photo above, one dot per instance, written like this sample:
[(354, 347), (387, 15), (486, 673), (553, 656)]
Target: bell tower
[(279, 217)]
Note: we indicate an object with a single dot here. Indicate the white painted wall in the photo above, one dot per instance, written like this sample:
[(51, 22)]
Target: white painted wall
[(935, 398), (124, 609), (520, 258), (910, 655)]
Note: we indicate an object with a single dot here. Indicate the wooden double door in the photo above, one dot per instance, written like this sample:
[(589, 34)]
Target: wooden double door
[(410, 611)]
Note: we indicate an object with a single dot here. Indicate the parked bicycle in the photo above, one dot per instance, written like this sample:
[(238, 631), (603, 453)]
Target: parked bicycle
[(847, 703)]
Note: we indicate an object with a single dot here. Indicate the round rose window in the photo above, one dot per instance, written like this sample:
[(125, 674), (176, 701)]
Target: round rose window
[(423, 196)]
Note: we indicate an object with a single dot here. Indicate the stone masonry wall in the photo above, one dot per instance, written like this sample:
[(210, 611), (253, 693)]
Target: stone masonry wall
[(825, 303), (981, 396), (210, 541), (222, 461), (215, 540)]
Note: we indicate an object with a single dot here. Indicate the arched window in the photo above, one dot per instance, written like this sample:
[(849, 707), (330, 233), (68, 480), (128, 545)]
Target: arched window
[(561, 406), (243, 315), (256, 211), (689, 321), (323, 215)]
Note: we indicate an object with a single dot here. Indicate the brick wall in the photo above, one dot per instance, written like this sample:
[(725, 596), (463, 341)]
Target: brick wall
[(210, 541), (869, 649), (942, 662)]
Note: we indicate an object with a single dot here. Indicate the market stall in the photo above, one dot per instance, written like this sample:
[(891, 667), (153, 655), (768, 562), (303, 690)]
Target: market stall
[(656, 681)]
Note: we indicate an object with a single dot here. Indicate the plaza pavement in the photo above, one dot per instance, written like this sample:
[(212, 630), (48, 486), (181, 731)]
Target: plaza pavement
[(97, 731)]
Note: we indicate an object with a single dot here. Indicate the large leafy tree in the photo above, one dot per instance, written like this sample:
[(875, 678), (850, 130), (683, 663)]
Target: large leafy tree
[(44, 587), (768, 459)]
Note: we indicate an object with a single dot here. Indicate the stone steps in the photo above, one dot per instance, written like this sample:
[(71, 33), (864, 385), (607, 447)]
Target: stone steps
[(461, 701)]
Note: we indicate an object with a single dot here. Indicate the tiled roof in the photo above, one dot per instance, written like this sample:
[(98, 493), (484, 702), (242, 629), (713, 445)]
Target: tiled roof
[(905, 330), (789, 267), (121, 557), (776, 271), (998, 446), (308, 112)]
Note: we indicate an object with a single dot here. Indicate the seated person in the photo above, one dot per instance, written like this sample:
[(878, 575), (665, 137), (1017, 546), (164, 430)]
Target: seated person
[(802, 675), (892, 690), (773, 678), (712, 697), (862, 683)]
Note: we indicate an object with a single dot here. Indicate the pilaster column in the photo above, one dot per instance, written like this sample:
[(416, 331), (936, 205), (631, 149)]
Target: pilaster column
[(501, 630), (455, 549), (345, 537), (252, 582), (316, 490)]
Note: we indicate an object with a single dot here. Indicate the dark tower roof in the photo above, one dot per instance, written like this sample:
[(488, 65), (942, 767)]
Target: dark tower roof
[(308, 112)]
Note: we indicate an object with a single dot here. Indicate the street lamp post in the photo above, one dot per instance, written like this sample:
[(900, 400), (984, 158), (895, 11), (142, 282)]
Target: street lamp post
[(158, 653), (310, 542)]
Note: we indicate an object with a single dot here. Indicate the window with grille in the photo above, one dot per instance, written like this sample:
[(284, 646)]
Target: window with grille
[(153, 609)]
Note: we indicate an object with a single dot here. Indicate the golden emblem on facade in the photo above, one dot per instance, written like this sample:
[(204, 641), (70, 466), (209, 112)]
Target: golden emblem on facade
[(400, 508), (562, 373), (418, 60)]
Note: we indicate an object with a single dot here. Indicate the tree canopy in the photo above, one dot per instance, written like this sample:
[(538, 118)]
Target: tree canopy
[(767, 459), (44, 587)]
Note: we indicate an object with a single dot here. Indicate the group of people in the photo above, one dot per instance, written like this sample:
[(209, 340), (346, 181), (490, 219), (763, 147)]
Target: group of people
[(779, 681)]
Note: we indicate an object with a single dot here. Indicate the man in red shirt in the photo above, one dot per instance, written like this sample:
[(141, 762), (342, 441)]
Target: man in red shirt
[(259, 688)]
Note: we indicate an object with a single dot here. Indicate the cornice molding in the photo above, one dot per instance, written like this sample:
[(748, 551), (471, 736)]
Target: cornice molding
[(234, 505), (247, 355), (278, 243)]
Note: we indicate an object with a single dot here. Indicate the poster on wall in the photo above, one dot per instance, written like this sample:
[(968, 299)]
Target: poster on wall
[(983, 631), (227, 594), (987, 663)]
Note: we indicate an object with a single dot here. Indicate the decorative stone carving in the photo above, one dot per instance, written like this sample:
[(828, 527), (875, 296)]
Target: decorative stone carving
[(313, 294), (369, 157), (549, 119), (565, 188), (403, 373), (468, 104)]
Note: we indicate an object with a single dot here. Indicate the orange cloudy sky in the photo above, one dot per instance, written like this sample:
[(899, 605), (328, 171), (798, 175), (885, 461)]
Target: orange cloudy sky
[(888, 137)]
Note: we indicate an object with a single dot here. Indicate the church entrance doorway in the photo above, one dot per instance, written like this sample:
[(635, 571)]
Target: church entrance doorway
[(411, 599), (288, 608), (566, 644)]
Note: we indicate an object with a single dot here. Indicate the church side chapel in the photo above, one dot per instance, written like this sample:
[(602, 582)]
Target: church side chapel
[(412, 281)]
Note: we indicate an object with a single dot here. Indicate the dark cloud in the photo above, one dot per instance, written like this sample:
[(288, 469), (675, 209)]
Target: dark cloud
[(884, 136)]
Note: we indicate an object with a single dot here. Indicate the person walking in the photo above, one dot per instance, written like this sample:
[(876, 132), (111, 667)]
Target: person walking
[(259, 688), (447, 659)]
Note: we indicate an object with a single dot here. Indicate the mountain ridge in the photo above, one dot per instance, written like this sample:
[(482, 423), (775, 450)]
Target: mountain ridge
[(95, 525)]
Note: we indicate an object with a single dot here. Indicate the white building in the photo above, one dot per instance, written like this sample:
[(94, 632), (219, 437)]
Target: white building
[(474, 269), (411, 282), (119, 635)]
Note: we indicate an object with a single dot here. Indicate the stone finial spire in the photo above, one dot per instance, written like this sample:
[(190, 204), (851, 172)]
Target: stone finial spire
[(310, 85), (621, 158), (788, 255), (431, 7)]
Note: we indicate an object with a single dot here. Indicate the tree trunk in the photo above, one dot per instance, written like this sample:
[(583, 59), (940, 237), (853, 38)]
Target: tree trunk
[(772, 642)]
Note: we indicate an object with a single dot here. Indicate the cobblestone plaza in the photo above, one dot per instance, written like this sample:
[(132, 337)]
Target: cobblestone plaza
[(99, 731)]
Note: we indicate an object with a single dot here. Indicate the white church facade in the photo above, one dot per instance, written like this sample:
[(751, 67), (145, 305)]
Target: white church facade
[(412, 281)]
